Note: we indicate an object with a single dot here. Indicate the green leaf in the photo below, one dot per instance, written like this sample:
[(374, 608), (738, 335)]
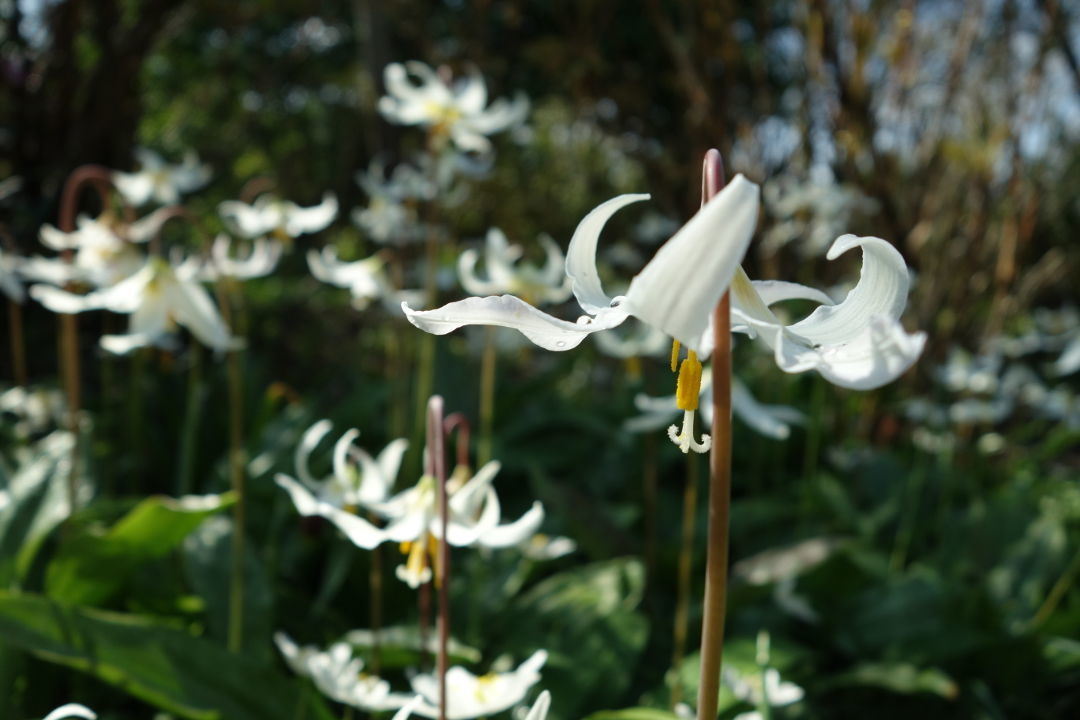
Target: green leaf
[(588, 612), (167, 667), (399, 647), (91, 567), (634, 713), (902, 678)]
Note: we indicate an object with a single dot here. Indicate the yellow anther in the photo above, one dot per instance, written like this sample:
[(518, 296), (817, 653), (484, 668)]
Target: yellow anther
[(674, 354), (688, 387)]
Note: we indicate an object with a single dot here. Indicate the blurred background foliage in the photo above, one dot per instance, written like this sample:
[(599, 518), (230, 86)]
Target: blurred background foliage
[(905, 561)]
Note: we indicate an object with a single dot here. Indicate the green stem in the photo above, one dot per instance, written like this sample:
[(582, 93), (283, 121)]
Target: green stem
[(487, 398), (1057, 592), (192, 411), (686, 561), (18, 342)]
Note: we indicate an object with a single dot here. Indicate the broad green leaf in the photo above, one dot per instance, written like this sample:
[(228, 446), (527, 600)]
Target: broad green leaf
[(169, 668), (90, 567)]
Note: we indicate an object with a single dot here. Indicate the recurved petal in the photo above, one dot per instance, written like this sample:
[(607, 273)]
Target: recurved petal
[(192, 307), (546, 331), (581, 254), (516, 532), (362, 533), (308, 442), (678, 289), (311, 219)]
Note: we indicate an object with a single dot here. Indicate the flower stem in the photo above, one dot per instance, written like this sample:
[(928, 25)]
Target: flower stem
[(18, 342), (375, 580), (686, 561), (487, 397), (191, 422), (436, 446), (716, 567)]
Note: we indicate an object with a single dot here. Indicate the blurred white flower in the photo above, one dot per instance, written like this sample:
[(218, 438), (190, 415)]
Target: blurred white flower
[(391, 216), (762, 689), (338, 675), (34, 409), (858, 343), (474, 515), (454, 111), (642, 341), (811, 211), (160, 181), (272, 215), (769, 420), (507, 273), (357, 482), (546, 547), (469, 696), (263, 257), (100, 256), (157, 297), (10, 284), (364, 279)]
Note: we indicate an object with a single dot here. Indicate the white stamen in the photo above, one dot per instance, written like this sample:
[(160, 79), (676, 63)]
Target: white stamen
[(685, 439)]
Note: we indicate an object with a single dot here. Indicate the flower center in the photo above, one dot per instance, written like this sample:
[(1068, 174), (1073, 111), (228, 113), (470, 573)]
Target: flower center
[(687, 391)]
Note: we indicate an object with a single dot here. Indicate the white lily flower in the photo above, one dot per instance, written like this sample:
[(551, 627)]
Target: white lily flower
[(455, 111), (391, 215), (642, 341), (157, 297), (261, 260), (353, 485), (506, 273), (337, 673), (10, 283), (675, 292), (272, 215), (72, 710), (469, 696), (160, 181), (770, 690), (364, 279), (545, 547), (858, 343), (769, 420), (474, 515), (100, 256)]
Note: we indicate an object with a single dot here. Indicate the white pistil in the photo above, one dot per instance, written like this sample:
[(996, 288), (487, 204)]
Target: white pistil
[(685, 438)]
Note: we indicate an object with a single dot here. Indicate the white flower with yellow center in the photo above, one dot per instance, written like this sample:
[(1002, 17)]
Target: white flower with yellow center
[(471, 696), (339, 675), (474, 515), (160, 181), (158, 298), (675, 292), (507, 273), (282, 218), (457, 111), (358, 481)]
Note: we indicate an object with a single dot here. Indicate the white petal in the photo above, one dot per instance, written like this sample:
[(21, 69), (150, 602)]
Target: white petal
[(677, 291), (516, 532), (192, 307), (245, 220), (123, 344), (472, 282), (341, 454), (769, 420), (58, 240), (546, 331), (71, 710), (300, 220), (539, 710), (359, 531), (311, 437), (774, 291), (581, 254), (135, 188)]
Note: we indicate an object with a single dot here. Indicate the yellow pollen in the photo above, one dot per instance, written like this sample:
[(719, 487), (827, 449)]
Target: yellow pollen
[(674, 354), (688, 387)]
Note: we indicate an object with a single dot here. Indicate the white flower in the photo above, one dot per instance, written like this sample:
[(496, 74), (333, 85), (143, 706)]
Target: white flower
[(506, 273), (391, 215), (365, 279), (339, 497), (770, 420), (770, 690), (675, 292), (474, 515), (71, 710), (858, 343), (545, 547), (269, 214), (158, 298), (469, 696), (261, 260), (100, 256), (159, 181), (337, 674), (10, 284), (641, 341), (456, 111)]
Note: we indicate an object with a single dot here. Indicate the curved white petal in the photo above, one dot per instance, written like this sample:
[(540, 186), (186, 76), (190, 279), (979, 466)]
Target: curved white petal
[(341, 454), (136, 188), (71, 710), (678, 289), (546, 331), (359, 531), (516, 532), (581, 254), (769, 420), (774, 291), (308, 441), (192, 307), (472, 282), (299, 221), (58, 240), (539, 710)]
